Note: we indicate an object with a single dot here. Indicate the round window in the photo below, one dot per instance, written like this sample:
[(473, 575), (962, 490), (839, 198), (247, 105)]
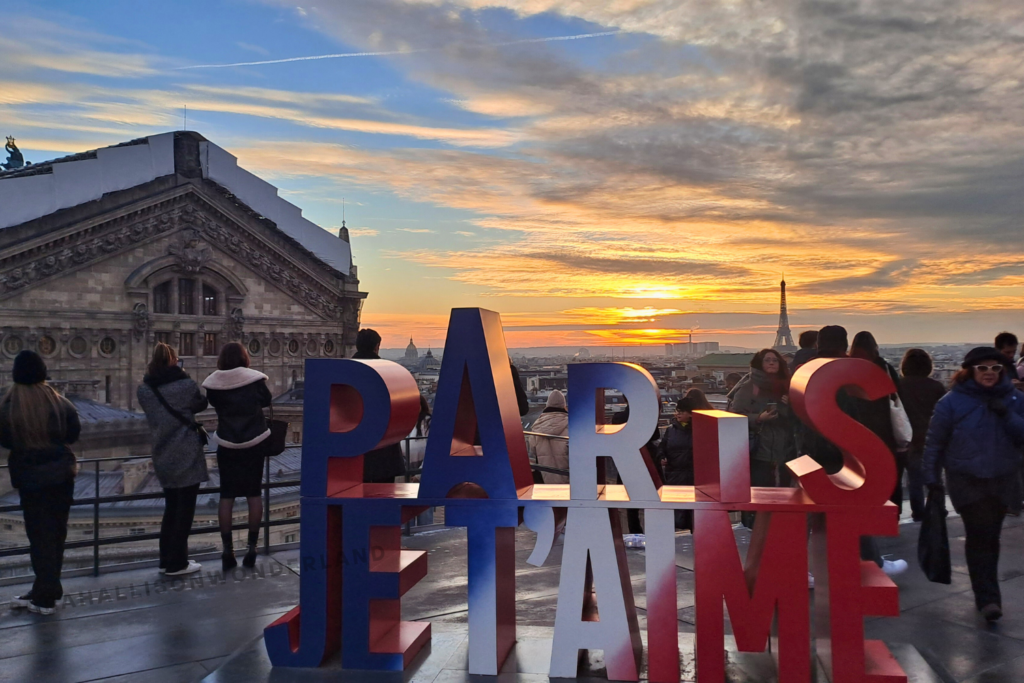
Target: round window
[(275, 347), (312, 347), (13, 345), (329, 347), (78, 346), (255, 347), (47, 346), (293, 346), (108, 346)]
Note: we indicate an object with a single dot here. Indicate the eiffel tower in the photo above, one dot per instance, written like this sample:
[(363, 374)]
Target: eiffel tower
[(784, 337)]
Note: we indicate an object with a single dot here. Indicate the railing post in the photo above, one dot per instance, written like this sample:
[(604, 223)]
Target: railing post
[(408, 456), (96, 523), (266, 509)]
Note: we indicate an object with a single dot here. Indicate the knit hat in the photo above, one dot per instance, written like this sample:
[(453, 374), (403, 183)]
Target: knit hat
[(556, 399), (980, 354), (684, 405), (29, 368)]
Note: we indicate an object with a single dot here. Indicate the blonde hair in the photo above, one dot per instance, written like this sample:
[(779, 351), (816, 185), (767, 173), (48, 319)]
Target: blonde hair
[(30, 407)]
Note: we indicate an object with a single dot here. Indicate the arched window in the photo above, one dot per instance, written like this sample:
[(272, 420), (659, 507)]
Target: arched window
[(162, 298), (209, 300)]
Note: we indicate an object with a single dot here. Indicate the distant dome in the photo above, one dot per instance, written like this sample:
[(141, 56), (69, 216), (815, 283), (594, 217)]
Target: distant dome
[(429, 362), (410, 350), (582, 353)]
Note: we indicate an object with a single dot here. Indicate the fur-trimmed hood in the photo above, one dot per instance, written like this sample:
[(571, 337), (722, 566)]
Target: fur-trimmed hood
[(223, 380)]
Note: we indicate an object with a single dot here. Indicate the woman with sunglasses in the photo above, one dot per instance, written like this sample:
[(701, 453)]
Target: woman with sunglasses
[(976, 433)]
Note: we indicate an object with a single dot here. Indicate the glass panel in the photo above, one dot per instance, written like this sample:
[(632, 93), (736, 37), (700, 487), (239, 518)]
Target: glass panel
[(188, 344), (209, 344), (186, 298), (162, 298), (209, 300)]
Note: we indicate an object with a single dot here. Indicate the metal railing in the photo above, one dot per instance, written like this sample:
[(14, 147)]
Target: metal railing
[(96, 542)]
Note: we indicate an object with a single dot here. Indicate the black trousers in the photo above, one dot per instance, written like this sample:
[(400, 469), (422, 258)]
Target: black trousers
[(179, 511), (901, 466), (46, 525), (983, 522)]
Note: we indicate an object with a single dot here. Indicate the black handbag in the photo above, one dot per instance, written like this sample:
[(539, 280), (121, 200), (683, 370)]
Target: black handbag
[(199, 429), (274, 444), (933, 543)]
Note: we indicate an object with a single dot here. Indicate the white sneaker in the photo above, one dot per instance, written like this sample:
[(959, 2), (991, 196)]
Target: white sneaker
[(21, 601), (894, 567), (192, 568), (810, 580), (39, 609)]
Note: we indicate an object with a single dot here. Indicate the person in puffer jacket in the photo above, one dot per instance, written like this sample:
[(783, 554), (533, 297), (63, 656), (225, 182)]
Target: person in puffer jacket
[(552, 452), (675, 454), (239, 394), (976, 435)]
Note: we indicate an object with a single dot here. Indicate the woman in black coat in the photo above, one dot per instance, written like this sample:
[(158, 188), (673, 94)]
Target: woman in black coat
[(919, 393), (239, 394), (37, 424)]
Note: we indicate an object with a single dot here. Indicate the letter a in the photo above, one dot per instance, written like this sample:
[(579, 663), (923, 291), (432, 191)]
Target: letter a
[(475, 394), (594, 536)]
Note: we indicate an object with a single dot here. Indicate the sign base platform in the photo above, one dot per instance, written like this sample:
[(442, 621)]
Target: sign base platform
[(445, 660)]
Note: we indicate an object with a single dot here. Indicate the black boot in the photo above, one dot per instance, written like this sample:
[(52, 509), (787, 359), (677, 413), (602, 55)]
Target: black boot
[(250, 556), (227, 560)]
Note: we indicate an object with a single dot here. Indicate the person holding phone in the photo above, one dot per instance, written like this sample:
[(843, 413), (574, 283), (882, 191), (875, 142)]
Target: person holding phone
[(763, 397)]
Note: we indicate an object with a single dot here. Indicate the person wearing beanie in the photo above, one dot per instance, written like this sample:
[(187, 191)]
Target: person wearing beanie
[(37, 425), (675, 454), (552, 452), (975, 437)]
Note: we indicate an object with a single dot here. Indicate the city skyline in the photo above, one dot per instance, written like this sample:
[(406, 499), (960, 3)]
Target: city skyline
[(600, 175)]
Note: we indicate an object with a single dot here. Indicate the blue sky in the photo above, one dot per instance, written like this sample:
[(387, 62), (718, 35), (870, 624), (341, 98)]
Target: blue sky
[(604, 190)]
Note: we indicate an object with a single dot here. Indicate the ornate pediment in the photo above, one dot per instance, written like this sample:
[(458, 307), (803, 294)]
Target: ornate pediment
[(199, 229)]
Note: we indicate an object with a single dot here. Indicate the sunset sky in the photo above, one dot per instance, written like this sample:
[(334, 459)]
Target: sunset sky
[(605, 189)]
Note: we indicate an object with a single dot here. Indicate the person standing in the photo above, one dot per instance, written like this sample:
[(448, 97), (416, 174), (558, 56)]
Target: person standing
[(976, 435), (171, 400), (381, 465), (675, 455), (37, 425), (552, 452), (1006, 343), (808, 342), (877, 415), (239, 394), (920, 393), (763, 397)]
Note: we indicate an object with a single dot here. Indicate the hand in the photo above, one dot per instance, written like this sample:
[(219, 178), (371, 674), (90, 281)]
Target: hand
[(998, 407), (767, 416), (785, 399)]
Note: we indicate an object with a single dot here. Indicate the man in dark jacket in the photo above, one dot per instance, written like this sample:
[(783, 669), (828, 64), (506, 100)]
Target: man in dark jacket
[(1007, 344), (675, 455), (808, 351), (382, 465)]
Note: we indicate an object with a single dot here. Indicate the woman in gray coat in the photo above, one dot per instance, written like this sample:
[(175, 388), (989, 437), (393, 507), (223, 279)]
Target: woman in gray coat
[(171, 399)]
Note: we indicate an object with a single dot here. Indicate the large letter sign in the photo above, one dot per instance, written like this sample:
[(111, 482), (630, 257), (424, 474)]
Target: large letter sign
[(355, 572)]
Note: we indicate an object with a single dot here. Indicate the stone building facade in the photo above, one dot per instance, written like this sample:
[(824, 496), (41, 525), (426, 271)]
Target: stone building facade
[(105, 253)]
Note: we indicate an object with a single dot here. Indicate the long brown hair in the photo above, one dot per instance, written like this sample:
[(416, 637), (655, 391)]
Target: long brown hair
[(30, 407), (163, 357)]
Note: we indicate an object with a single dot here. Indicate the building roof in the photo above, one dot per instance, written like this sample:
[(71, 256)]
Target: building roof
[(91, 412), (725, 360), (41, 189)]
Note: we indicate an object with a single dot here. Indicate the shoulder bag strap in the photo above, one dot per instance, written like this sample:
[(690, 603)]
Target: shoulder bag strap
[(181, 418)]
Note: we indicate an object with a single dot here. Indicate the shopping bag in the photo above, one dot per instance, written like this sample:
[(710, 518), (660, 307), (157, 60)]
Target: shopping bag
[(933, 543), (902, 431)]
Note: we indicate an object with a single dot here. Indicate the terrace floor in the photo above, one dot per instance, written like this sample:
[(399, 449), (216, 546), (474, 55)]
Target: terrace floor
[(133, 626)]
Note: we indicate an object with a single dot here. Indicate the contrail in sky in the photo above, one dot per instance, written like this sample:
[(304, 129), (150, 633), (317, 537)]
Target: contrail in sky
[(386, 53)]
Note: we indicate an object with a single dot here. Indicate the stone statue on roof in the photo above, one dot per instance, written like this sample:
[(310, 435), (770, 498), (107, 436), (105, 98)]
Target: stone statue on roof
[(15, 159)]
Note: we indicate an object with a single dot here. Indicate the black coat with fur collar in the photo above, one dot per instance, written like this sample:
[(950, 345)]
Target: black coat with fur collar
[(239, 397)]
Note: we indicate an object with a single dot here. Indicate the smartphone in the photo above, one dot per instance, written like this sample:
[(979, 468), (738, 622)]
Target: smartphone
[(181, 363), (773, 406)]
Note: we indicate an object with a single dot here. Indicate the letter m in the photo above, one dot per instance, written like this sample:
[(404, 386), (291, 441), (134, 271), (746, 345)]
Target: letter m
[(775, 576)]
